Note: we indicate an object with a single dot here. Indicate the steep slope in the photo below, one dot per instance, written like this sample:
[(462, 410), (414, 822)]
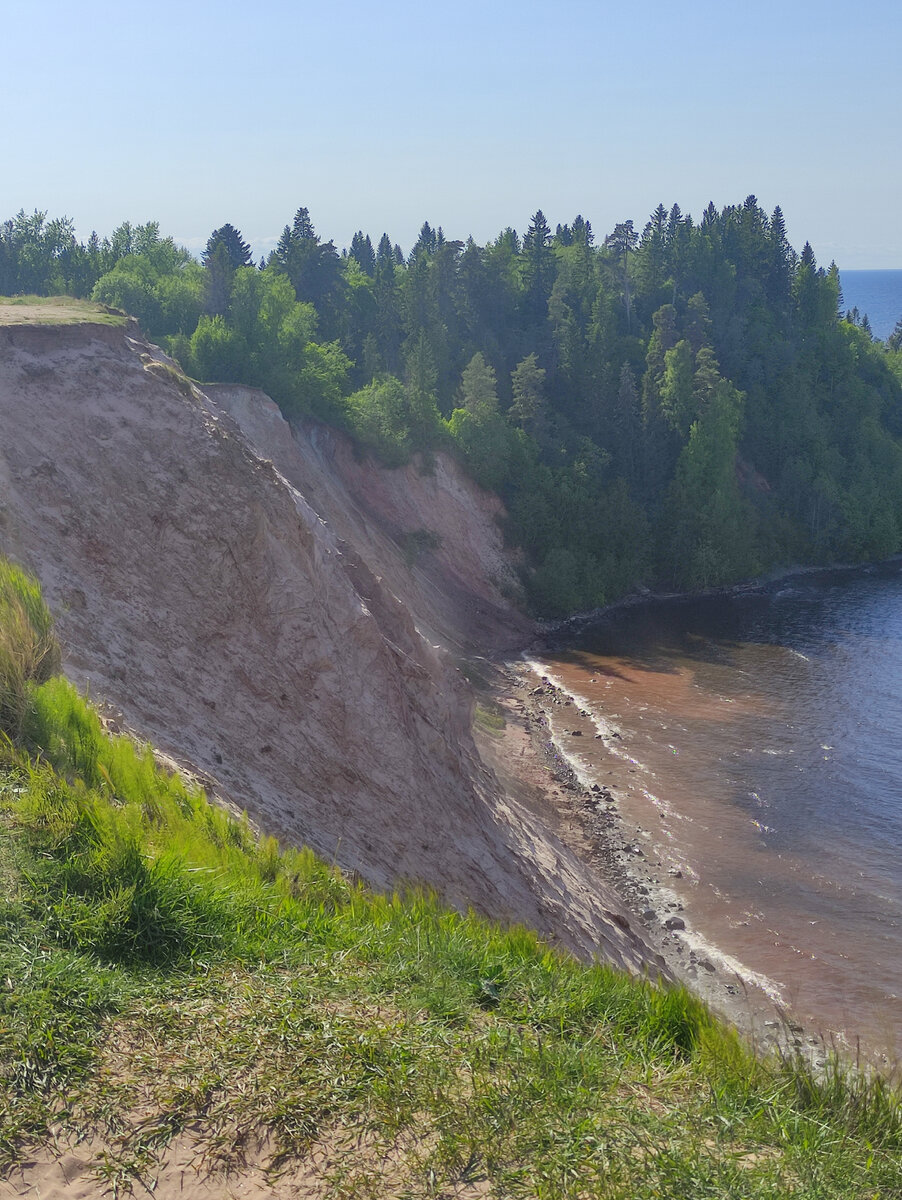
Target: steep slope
[(206, 593), (434, 534)]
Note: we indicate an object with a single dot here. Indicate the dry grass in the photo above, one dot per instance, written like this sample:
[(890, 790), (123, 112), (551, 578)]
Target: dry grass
[(56, 310)]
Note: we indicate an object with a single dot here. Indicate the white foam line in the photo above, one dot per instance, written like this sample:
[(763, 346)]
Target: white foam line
[(604, 727), (770, 987), (582, 773), (701, 945), (607, 730)]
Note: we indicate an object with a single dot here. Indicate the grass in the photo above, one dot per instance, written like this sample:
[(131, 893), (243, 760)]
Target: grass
[(56, 310), (28, 650), (489, 718), (168, 973), (175, 376)]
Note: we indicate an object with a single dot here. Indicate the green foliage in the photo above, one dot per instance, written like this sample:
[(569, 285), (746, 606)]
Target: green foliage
[(131, 286), (37, 255), (29, 652), (477, 428), (483, 439), (564, 374), (478, 387), (236, 248), (379, 416), (321, 382), (710, 526), (218, 352), (165, 303), (528, 402)]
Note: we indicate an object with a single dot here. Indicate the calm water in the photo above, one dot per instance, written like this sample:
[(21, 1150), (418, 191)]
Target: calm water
[(766, 733), (877, 293)]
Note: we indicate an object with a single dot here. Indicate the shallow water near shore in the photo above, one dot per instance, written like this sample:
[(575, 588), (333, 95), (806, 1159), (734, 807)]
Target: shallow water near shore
[(761, 735)]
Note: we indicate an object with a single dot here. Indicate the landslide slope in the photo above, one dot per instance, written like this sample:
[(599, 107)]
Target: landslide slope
[(232, 588)]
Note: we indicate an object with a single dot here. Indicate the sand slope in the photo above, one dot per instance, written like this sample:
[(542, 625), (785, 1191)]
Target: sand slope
[(245, 616)]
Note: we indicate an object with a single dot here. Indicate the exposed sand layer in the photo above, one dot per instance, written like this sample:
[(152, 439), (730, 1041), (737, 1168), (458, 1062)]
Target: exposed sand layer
[(237, 602), (184, 1171)]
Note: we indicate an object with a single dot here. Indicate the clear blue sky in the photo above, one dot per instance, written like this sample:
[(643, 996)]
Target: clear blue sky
[(469, 115)]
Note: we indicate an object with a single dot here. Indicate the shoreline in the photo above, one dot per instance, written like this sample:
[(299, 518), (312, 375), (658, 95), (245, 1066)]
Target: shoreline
[(588, 810), (549, 630)]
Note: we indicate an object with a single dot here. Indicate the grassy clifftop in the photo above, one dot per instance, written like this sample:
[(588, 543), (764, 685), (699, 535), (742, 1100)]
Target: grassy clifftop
[(56, 310), (169, 976)]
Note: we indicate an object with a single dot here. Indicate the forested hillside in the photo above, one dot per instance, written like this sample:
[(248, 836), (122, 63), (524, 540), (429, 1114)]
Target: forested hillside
[(682, 407)]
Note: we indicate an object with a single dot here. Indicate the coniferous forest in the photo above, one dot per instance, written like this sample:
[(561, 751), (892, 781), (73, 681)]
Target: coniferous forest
[(680, 407)]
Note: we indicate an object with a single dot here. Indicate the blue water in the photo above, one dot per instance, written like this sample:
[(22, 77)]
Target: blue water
[(877, 293), (770, 726)]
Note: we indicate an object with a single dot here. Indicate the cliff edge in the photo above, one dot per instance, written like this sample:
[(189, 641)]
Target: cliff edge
[(274, 614)]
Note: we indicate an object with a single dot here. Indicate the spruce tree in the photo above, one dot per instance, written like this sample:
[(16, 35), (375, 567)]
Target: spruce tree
[(362, 251), (538, 268), (237, 249)]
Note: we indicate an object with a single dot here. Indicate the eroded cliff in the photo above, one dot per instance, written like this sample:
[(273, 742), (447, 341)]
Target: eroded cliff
[(272, 611)]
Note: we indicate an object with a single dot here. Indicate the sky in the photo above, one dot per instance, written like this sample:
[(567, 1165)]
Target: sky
[(468, 115)]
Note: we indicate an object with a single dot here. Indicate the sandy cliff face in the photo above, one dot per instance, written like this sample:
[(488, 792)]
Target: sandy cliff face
[(243, 596), (457, 580)]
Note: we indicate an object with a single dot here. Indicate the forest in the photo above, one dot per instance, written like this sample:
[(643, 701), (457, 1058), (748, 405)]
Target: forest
[(677, 408)]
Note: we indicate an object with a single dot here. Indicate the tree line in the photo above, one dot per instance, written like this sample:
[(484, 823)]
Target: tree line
[(682, 407)]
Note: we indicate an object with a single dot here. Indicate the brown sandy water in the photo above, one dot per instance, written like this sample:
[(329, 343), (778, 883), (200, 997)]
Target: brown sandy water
[(757, 740)]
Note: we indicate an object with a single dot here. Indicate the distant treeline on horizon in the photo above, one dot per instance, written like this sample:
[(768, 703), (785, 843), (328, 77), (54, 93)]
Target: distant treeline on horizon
[(681, 407)]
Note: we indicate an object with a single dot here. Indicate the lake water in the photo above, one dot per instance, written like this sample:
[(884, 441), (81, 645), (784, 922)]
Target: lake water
[(764, 731), (877, 293)]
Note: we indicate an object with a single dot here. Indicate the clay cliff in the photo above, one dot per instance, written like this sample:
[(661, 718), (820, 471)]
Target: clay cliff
[(282, 618)]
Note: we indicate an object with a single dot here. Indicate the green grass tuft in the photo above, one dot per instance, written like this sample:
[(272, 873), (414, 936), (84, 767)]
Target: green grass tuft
[(29, 653)]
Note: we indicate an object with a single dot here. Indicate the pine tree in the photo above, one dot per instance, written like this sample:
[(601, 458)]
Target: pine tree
[(237, 249), (314, 270), (384, 254), (627, 427), (651, 258), (620, 243), (537, 268), (528, 405), (581, 231), (362, 251), (426, 243), (698, 322), (478, 386), (781, 261)]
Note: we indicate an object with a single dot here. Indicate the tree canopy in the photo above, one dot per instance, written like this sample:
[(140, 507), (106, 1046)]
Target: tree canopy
[(680, 407)]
